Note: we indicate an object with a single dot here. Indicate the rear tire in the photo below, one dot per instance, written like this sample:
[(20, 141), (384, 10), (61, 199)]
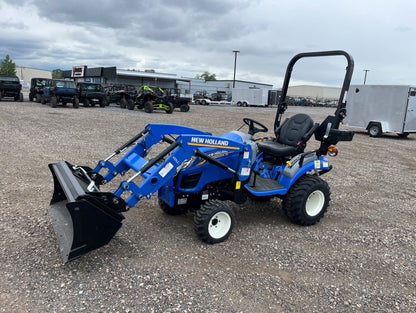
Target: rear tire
[(123, 103), (130, 104), (184, 107), (86, 103), (103, 102), (307, 200), (54, 101), (148, 107), (214, 221), (75, 103)]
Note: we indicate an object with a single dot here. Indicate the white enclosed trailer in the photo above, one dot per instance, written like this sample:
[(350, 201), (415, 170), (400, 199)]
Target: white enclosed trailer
[(382, 109), (250, 96)]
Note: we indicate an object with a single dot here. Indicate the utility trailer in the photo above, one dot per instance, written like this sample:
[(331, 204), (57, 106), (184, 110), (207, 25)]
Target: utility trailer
[(250, 97), (382, 109)]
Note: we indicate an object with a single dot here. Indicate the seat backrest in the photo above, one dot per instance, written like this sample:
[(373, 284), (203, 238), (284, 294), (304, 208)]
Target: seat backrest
[(293, 130)]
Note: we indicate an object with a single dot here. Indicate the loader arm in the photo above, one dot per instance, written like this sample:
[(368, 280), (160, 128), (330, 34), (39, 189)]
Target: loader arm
[(143, 141), (162, 168)]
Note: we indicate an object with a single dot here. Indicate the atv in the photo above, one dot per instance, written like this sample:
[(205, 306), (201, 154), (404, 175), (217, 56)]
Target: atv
[(197, 172), (152, 98)]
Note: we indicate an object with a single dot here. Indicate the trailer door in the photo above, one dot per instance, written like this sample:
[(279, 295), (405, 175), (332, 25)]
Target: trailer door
[(410, 120)]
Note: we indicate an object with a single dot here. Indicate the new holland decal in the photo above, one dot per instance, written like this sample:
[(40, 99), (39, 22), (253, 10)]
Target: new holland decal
[(211, 142)]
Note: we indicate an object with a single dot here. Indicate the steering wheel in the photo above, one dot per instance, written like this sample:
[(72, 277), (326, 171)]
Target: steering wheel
[(252, 129)]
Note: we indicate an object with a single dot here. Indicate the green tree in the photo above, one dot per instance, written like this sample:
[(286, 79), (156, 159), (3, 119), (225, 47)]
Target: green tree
[(8, 67), (207, 76), (57, 73)]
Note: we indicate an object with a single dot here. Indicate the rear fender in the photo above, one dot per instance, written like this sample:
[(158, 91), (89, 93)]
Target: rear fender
[(292, 173)]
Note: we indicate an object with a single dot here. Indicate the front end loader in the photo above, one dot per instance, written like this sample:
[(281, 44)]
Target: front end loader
[(192, 170)]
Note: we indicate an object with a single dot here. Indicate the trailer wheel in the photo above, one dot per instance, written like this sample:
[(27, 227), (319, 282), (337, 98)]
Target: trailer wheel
[(374, 130), (43, 100), (172, 210), (86, 102), (203, 102), (214, 221), (307, 200)]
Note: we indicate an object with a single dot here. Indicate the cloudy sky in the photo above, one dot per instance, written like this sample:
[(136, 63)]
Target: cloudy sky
[(189, 37)]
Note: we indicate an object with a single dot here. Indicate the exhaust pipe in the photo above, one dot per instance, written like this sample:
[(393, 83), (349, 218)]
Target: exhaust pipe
[(82, 217)]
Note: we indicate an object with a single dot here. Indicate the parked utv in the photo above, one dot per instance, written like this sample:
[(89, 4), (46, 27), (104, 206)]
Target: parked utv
[(36, 88), (60, 91), (152, 98), (91, 94), (122, 95), (198, 172), (178, 101), (10, 86)]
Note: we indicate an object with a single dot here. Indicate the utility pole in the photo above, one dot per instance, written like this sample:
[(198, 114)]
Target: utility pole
[(365, 75), (235, 64)]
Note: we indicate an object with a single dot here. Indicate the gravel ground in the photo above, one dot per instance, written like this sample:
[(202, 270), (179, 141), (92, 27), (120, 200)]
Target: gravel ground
[(359, 258)]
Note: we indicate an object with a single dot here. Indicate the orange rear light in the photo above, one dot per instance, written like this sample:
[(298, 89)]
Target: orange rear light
[(332, 151)]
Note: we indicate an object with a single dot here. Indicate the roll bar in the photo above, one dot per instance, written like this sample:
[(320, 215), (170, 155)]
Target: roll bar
[(340, 112)]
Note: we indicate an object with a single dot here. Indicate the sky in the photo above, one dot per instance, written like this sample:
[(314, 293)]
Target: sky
[(189, 37)]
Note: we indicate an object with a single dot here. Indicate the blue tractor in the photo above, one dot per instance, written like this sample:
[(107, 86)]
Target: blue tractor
[(198, 172)]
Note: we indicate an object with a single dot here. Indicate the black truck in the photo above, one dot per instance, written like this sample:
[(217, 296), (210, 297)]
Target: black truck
[(10, 86), (36, 88), (91, 94)]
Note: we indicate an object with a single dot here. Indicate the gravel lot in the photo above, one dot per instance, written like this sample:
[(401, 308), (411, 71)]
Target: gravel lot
[(359, 258)]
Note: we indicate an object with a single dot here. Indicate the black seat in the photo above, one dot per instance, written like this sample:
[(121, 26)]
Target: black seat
[(291, 137)]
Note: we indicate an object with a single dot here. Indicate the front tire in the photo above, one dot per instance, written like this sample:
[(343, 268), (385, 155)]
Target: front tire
[(170, 110), (214, 221), (307, 200)]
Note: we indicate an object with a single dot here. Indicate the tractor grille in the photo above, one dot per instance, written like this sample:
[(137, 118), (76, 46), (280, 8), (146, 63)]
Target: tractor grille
[(190, 181)]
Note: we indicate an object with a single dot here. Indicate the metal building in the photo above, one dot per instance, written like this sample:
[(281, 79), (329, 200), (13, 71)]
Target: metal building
[(26, 74)]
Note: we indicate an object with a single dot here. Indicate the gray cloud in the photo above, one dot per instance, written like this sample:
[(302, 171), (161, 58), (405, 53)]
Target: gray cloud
[(189, 37)]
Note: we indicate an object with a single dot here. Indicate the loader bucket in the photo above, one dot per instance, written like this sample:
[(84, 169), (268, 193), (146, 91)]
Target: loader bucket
[(82, 220)]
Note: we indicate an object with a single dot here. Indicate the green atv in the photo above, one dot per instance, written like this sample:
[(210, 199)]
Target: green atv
[(151, 98)]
